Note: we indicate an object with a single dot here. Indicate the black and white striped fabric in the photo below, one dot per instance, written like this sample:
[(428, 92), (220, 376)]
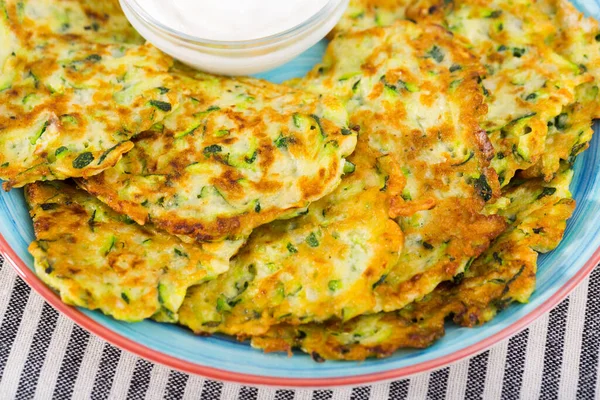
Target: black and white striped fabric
[(43, 355)]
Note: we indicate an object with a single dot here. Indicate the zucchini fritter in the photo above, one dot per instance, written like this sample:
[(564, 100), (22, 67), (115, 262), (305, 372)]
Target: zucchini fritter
[(531, 76), (529, 83), (237, 153), (578, 39), (96, 21), (568, 135), (505, 273), (99, 259), (320, 265), (414, 93), (421, 160), (69, 105), (366, 14)]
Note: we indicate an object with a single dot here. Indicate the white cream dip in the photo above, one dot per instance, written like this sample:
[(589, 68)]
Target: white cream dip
[(232, 20), (234, 37)]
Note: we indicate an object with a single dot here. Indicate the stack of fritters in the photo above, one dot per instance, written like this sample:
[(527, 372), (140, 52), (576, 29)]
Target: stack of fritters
[(541, 99), (413, 175), (188, 163), (422, 161)]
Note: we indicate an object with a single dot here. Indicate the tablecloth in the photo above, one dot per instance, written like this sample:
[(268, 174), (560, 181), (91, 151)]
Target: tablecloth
[(44, 355)]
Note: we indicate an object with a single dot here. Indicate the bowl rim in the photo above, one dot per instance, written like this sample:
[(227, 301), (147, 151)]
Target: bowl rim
[(131, 346)]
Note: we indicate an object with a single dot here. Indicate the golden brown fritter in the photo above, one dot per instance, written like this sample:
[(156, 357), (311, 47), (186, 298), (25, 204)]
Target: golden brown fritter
[(414, 92), (504, 274), (536, 56), (99, 259), (321, 265), (576, 38), (421, 160), (68, 104), (91, 20), (237, 153)]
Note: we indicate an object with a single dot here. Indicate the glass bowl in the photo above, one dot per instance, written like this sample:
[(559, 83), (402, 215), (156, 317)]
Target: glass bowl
[(244, 57)]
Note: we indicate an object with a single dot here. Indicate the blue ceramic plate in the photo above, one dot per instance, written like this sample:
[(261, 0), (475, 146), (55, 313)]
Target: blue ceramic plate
[(224, 358)]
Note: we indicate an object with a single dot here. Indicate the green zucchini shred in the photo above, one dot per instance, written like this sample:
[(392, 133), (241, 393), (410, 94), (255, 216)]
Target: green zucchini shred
[(349, 167), (83, 160), (35, 138), (334, 285), (547, 191), (436, 54), (161, 105), (212, 149), (312, 240)]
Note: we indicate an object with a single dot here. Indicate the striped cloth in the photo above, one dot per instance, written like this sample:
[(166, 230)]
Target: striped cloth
[(43, 355)]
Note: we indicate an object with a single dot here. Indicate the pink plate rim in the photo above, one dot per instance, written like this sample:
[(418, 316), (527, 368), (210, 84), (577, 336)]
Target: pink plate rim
[(213, 373)]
